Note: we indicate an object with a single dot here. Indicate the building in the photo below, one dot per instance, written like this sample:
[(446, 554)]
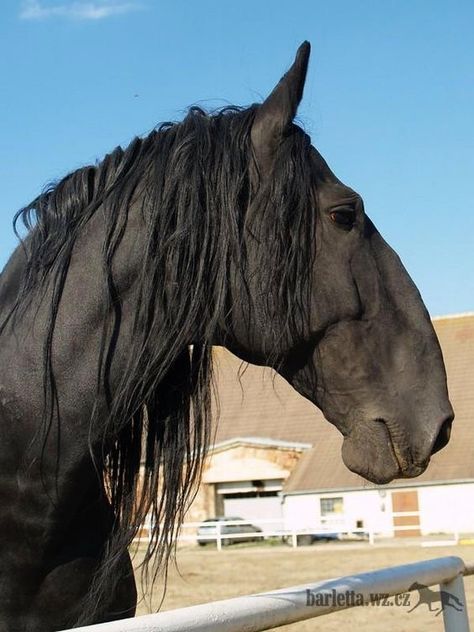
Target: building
[(275, 457)]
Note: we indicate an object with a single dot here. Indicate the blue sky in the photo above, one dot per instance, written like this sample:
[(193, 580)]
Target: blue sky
[(388, 102)]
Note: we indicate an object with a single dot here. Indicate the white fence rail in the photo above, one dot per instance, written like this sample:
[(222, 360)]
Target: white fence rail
[(222, 533), (264, 611)]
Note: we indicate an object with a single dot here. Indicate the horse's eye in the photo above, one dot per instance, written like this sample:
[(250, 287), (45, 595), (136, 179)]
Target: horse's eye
[(343, 217)]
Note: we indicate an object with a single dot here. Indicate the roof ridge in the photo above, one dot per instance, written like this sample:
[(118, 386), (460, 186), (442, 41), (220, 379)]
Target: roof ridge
[(449, 316), (261, 441)]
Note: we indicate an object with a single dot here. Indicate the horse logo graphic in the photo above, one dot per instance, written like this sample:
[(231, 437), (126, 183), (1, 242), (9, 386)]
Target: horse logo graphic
[(431, 597)]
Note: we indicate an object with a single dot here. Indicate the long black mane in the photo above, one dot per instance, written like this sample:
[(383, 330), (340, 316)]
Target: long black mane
[(201, 202)]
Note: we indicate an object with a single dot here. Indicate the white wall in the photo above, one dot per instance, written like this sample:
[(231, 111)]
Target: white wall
[(447, 507), (443, 508), (373, 508)]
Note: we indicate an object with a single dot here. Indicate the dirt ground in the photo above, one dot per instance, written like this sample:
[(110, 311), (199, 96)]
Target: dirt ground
[(206, 574)]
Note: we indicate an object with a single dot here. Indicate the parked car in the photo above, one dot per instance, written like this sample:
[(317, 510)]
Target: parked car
[(305, 539), (208, 529)]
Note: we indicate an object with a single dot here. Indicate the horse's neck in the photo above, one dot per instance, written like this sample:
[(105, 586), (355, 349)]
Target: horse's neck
[(80, 317), (85, 295)]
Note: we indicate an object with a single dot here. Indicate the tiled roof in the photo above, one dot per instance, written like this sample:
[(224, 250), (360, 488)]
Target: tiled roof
[(255, 402)]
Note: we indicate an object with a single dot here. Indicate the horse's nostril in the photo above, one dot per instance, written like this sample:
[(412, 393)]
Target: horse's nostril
[(443, 435)]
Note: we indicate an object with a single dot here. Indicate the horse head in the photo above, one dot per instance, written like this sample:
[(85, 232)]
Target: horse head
[(332, 307), (227, 228)]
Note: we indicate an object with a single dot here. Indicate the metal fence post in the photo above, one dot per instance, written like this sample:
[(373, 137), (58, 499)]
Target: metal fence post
[(453, 602)]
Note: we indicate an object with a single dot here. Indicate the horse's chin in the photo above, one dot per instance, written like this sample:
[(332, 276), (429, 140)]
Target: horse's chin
[(379, 468), (368, 450)]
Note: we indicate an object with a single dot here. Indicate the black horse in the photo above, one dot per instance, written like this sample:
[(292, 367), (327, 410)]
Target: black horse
[(224, 229)]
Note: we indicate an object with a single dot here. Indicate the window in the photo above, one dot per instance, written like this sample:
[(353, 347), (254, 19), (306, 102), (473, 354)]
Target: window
[(331, 505)]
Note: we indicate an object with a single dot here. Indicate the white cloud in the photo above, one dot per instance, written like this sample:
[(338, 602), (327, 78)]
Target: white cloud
[(76, 10)]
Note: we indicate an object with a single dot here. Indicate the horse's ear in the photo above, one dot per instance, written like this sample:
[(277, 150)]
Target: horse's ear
[(275, 116)]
